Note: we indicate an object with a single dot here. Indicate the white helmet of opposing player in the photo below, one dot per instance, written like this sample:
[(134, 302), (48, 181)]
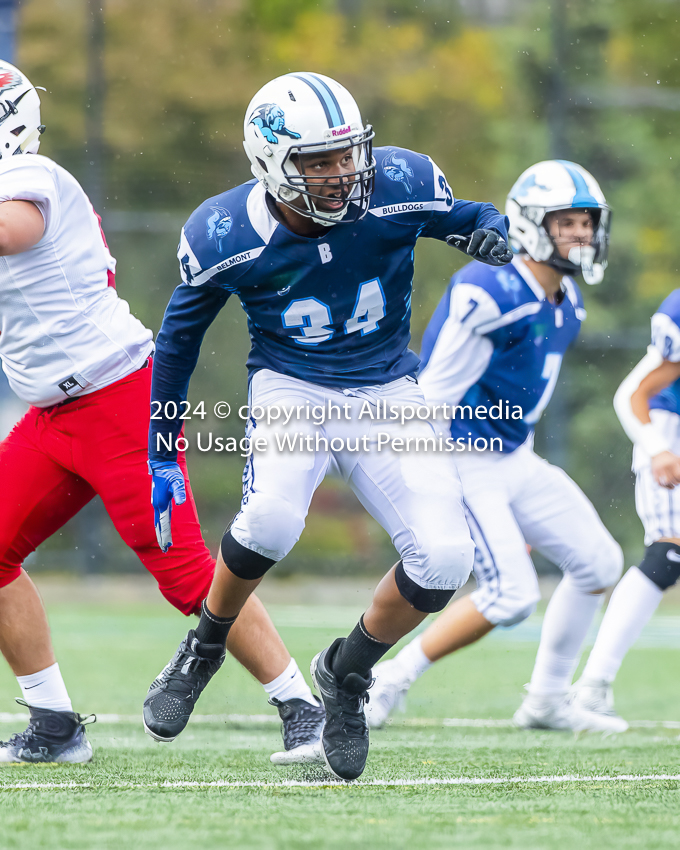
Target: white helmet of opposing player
[(20, 127), (558, 185), (304, 113)]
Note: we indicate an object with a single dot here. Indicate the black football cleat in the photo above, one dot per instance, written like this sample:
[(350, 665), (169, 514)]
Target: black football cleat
[(344, 741), (175, 691), (301, 728), (51, 737)]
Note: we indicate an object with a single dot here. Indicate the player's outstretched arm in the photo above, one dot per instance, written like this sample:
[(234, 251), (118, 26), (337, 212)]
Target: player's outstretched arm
[(187, 317), (477, 229), (21, 227), (631, 403), (487, 232)]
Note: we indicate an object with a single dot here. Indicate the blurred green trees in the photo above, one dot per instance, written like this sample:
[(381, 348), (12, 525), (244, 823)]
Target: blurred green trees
[(474, 85)]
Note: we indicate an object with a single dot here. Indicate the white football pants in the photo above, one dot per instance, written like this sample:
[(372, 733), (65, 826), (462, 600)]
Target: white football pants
[(657, 507), (414, 494), (519, 497)]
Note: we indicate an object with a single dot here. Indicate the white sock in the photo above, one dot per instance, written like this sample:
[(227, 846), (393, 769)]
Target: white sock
[(413, 660), (565, 626), (45, 689), (631, 607), (290, 685)]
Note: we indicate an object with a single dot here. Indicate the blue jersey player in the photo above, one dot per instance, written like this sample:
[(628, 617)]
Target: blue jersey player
[(494, 348), (319, 251), (648, 405)]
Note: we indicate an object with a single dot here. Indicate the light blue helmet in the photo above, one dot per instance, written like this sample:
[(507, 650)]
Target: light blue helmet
[(558, 185)]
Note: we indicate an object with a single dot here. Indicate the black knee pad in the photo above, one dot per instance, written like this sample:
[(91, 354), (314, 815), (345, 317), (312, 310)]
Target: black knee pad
[(243, 562), (661, 564), (422, 598)]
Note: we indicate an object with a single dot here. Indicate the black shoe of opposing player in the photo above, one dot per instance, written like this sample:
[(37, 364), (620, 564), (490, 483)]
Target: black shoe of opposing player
[(301, 728), (175, 691), (344, 741), (51, 737)]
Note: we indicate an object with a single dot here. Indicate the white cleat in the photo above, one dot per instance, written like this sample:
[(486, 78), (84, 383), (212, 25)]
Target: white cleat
[(388, 692), (302, 725), (597, 697), (537, 713), (305, 754), (560, 713)]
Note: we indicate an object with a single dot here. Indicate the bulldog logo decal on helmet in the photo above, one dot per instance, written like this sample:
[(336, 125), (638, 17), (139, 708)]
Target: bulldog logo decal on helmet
[(530, 183), (218, 225), (398, 170), (271, 121)]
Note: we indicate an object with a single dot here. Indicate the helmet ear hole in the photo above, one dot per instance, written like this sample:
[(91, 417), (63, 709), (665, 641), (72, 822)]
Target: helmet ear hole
[(17, 130), (262, 164)]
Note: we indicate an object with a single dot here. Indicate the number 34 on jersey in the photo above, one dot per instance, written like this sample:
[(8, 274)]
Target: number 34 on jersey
[(314, 319)]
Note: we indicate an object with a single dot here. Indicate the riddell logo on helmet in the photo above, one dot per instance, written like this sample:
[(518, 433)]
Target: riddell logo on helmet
[(335, 132), (9, 80)]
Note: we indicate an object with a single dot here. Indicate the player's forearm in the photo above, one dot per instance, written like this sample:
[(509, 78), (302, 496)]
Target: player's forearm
[(631, 404), (169, 383), (639, 403), (187, 318), (472, 215)]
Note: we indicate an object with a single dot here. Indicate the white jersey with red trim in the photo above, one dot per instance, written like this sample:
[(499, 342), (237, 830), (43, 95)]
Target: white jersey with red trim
[(63, 329)]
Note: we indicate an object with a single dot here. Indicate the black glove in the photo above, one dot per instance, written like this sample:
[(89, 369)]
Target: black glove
[(484, 245)]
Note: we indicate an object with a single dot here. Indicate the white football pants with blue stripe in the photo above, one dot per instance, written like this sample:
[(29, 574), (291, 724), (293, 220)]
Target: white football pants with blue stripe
[(413, 493), (519, 497)]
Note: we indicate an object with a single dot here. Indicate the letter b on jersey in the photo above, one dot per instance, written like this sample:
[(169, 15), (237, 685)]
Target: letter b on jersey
[(325, 251)]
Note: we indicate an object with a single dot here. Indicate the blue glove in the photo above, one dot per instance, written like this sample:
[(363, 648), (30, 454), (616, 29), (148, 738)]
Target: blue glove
[(167, 485), (486, 246)]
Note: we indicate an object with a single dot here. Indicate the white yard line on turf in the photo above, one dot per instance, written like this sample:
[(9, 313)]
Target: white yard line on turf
[(368, 783), (269, 719)]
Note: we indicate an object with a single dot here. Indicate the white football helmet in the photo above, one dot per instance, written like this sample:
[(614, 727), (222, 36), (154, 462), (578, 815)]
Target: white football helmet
[(558, 185), (20, 127), (303, 113)]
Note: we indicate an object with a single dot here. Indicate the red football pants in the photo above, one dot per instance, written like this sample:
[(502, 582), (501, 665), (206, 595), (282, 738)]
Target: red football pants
[(57, 458)]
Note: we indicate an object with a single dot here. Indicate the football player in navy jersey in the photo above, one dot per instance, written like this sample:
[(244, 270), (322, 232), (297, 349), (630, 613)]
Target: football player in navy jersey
[(319, 250), (648, 405), (494, 348)]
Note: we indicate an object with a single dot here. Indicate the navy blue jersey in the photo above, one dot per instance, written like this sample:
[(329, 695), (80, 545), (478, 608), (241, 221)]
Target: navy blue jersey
[(666, 339), (495, 343), (333, 310)]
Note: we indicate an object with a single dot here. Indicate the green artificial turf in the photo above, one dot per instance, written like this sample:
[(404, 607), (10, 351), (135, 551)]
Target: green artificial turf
[(125, 799)]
